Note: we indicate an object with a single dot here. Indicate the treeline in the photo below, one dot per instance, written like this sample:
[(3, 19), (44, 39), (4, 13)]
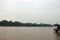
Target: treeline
[(16, 23)]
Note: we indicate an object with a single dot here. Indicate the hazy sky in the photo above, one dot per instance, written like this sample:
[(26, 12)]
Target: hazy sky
[(34, 11)]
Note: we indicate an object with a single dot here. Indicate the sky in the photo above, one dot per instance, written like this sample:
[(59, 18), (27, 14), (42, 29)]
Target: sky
[(31, 11)]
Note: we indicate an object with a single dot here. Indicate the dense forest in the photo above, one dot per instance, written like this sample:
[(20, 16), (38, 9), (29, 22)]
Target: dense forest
[(16, 23)]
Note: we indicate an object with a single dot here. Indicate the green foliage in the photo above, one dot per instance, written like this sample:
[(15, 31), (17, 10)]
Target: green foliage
[(16, 23)]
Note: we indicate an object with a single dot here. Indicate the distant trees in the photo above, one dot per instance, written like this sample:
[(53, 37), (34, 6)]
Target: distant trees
[(16, 23), (4, 22)]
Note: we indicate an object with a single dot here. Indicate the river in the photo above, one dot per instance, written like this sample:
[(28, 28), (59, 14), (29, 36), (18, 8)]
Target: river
[(28, 33)]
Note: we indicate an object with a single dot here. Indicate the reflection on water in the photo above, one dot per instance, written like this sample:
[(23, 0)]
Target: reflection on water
[(57, 36), (28, 33)]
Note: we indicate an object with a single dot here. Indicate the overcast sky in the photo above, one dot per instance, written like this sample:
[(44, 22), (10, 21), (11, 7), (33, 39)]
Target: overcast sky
[(34, 11)]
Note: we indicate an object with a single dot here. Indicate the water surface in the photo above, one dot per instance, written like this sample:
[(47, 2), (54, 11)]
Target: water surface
[(28, 33)]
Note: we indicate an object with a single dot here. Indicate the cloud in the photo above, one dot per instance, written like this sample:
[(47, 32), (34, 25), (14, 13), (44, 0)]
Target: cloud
[(31, 10)]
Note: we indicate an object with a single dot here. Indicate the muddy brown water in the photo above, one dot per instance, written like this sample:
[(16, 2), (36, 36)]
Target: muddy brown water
[(28, 33)]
